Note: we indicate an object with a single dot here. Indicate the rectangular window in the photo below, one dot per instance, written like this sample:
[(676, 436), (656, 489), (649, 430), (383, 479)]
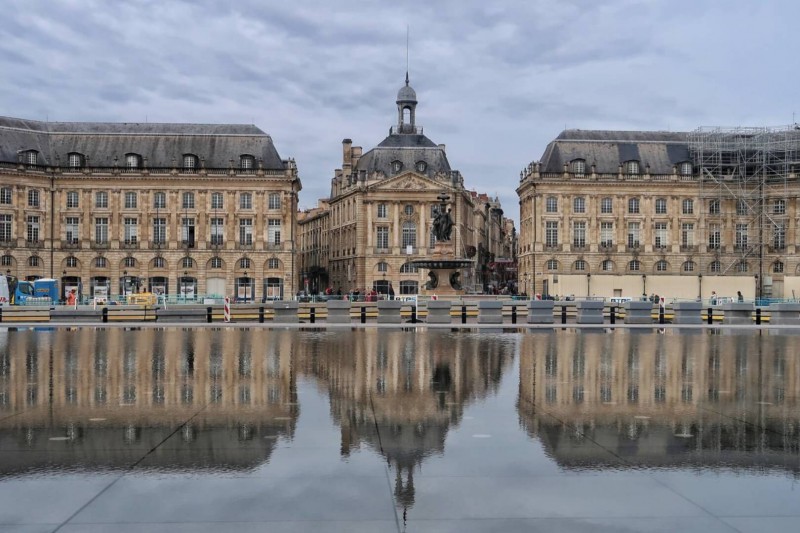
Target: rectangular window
[(551, 234), (579, 205), (33, 229), (33, 198), (131, 230), (661, 235), (779, 207), (72, 199), (714, 236), (579, 234), (72, 227), (741, 236), (274, 200), (688, 207), (606, 206), (382, 238), (246, 231), (187, 231), (246, 201), (607, 234), (5, 228), (779, 236), (633, 206), (741, 207), (217, 231), (382, 211), (159, 230), (101, 230), (101, 199), (274, 231), (130, 200), (5, 196), (552, 204), (633, 234), (216, 200), (713, 207), (187, 200), (160, 200), (661, 206), (687, 235)]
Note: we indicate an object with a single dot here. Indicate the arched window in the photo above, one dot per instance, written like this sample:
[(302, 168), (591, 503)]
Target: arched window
[(397, 166), (33, 261), (383, 266), (634, 266), (421, 166), (607, 265), (408, 268), (552, 264), (689, 266), (247, 162), (580, 265), (662, 266), (75, 160), (715, 267), (133, 161), (273, 263), (71, 262), (7, 260), (216, 262), (578, 167), (686, 168), (632, 168), (159, 262), (777, 267), (579, 204), (187, 262), (409, 237), (244, 262), (130, 262), (100, 262), (189, 162)]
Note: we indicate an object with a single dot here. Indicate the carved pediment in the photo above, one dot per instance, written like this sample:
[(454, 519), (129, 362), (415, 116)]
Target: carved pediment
[(411, 182)]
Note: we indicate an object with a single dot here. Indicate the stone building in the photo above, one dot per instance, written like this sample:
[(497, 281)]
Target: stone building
[(681, 215), (115, 208), (381, 208)]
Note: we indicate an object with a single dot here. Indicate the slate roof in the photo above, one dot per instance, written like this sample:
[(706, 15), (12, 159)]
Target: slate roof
[(409, 148), (101, 142), (608, 149)]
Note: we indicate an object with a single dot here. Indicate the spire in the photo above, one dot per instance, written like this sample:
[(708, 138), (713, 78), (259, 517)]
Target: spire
[(406, 78)]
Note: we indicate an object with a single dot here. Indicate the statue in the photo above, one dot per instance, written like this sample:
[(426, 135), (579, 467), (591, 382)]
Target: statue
[(442, 225), (455, 280), (433, 281)]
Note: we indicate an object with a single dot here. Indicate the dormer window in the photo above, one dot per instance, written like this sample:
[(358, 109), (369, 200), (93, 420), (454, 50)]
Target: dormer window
[(632, 168), (578, 167), (421, 166), (686, 168), (30, 157), (133, 161), (397, 166), (189, 162), (247, 162), (75, 160)]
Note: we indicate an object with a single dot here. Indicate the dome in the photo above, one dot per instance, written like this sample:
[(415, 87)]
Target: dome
[(406, 94)]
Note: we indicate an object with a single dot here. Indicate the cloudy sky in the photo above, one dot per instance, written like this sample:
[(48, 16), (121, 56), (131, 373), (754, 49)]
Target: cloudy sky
[(496, 81)]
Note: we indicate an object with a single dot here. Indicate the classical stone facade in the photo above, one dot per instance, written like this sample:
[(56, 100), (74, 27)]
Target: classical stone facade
[(183, 209), (681, 215), (381, 209)]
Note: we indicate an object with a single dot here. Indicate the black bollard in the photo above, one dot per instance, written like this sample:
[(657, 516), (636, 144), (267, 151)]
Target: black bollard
[(563, 314), (312, 316), (660, 314), (413, 314), (261, 315), (105, 314), (613, 316), (463, 314), (1, 314), (363, 315), (513, 314), (209, 311), (710, 315), (758, 316)]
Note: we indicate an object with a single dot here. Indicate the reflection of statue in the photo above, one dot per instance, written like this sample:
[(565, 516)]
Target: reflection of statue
[(442, 225), (455, 280), (433, 280)]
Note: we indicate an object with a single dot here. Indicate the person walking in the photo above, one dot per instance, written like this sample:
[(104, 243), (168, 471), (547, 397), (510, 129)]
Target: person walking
[(391, 291), (713, 297), (739, 296)]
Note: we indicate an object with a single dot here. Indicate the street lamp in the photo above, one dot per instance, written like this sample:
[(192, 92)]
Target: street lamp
[(588, 281), (758, 289), (644, 286), (700, 286)]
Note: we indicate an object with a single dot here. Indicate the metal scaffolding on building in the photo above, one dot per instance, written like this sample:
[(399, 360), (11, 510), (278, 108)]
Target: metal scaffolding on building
[(744, 175)]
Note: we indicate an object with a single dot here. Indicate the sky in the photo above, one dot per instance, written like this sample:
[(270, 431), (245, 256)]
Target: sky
[(496, 81)]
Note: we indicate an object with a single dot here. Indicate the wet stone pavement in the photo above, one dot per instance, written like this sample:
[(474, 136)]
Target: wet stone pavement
[(223, 429)]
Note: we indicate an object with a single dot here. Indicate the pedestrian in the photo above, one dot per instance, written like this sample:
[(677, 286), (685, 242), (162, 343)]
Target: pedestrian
[(713, 297), (391, 291), (739, 296)]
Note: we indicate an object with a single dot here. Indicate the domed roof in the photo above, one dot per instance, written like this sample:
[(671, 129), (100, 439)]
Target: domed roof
[(406, 93)]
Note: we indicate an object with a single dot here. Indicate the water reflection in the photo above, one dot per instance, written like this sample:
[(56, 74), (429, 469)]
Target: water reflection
[(669, 400)]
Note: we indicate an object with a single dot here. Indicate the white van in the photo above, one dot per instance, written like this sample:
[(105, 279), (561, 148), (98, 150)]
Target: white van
[(5, 296)]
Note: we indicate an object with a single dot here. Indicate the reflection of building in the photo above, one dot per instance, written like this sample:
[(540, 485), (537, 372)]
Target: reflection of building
[(400, 392), (619, 213), (103, 387), (180, 208), (662, 399), (382, 206)]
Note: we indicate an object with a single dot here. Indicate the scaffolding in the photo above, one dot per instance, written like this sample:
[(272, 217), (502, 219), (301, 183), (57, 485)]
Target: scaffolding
[(744, 175)]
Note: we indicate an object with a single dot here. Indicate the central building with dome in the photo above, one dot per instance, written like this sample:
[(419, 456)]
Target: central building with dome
[(380, 211)]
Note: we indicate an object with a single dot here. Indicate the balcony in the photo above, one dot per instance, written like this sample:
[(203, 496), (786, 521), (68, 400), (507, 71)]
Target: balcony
[(100, 245), (274, 247), (70, 244), (383, 250), (187, 244), (606, 246), (8, 243), (688, 248), (129, 244), (245, 246), (34, 244), (633, 246), (158, 245)]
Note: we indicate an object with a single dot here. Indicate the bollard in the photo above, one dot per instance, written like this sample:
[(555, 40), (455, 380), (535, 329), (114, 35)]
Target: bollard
[(710, 315), (261, 315), (209, 310), (363, 315), (312, 317), (660, 314), (413, 314), (513, 314), (105, 314), (758, 316), (463, 314), (563, 314), (1, 314), (613, 316)]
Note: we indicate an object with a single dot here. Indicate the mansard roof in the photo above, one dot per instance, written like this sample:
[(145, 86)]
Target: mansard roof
[(608, 149), (162, 144)]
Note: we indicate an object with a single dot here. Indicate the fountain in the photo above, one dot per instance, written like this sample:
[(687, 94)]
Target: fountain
[(444, 269)]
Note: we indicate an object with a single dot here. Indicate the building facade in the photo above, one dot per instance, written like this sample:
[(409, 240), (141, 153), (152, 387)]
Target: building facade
[(179, 209), (381, 209), (681, 215)]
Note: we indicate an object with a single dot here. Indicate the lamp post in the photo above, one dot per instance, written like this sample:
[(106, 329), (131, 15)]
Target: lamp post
[(644, 286), (183, 285), (757, 289), (588, 285), (700, 286)]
